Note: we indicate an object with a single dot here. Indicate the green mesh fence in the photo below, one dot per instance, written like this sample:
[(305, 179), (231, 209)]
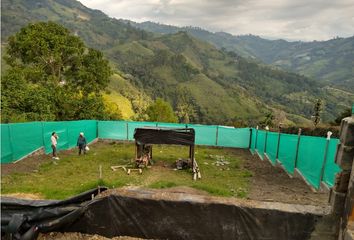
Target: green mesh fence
[(233, 137), (310, 158), (88, 127), (6, 148), (25, 138), (171, 125), (272, 145), (287, 151), (204, 135), (331, 168), (133, 125), (260, 143), (112, 130), (253, 140), (62, 131), (20, 139)]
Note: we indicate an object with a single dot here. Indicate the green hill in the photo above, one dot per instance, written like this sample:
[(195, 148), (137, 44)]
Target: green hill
[(215, 86), (331, 62)]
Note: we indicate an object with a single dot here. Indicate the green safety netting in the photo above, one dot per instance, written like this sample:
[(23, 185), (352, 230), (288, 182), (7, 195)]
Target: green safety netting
[(331, 168), (171, 125), (112, 130), (271, 146), (62, 131), (6, 149), (204, 135), (20, 139), (253, 140), (25, 138), (133, 125), (88, 127), (287, 151), (233, 137), (260, 141), (311, 155)]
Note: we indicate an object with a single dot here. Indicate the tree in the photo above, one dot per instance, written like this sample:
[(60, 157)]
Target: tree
[(346, 113), (53, 76), (185, 106), (316, 118), (268, 120), (161, 111)]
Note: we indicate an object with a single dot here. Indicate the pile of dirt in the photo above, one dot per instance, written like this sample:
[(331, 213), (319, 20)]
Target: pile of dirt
[(271, 183), (80, 236)]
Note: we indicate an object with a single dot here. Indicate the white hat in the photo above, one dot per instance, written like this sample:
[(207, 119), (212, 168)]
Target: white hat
[(82, 134)]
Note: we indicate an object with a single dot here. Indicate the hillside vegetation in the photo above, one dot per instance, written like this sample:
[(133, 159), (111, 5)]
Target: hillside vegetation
[(199, 80), (330, 62)]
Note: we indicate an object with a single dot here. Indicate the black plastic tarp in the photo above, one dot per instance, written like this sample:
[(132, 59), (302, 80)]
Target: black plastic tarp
[(153, 214), (24, 219), (178, 136)]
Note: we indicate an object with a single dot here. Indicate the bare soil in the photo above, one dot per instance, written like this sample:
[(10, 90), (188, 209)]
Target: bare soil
[(268, 183), (79, 236)]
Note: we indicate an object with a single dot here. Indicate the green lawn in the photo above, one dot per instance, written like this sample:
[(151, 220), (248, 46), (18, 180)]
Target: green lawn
[(75, 174)]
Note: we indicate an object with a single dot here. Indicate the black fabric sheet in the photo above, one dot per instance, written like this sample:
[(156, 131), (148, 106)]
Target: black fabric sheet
[(24, 219), (142, 215), (178, 136)]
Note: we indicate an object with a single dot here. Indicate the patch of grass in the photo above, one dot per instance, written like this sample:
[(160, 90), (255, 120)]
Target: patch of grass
[(162, 184), (75, 174)]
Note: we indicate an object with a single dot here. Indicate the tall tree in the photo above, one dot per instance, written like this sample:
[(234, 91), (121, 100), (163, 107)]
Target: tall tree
[(161, 111), (56, 73), (317, 109)]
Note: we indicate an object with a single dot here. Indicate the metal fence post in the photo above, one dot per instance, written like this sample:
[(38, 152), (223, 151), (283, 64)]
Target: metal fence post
[(279, 134), (266, 138), (96, 129), (10, 139), (297, 146), (127, 131), (250, 143), (329, 133), (67, 135), (217, 135), (42, 125), (255, 145)]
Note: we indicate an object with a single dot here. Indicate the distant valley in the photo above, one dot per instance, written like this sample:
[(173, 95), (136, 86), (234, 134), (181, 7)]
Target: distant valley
[(217, 77)]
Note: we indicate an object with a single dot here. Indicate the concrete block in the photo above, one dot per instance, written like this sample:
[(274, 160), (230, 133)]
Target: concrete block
[(345, 156), (348, 235), (324, 187), (342, 181), (347, 131), (337, 200)]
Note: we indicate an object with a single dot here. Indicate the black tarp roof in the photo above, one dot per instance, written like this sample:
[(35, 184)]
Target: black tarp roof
[(153, 135)]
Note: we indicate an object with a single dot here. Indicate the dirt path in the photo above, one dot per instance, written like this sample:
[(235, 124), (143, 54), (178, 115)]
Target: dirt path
[(270, 183), (29, 164)]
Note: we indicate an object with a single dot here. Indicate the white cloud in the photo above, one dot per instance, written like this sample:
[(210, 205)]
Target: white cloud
[(289, 19)]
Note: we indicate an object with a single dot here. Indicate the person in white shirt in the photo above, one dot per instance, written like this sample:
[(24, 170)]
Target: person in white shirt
[(53, 140)]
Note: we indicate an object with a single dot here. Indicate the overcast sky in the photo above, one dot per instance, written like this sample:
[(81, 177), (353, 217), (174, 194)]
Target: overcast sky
[(288, 19)]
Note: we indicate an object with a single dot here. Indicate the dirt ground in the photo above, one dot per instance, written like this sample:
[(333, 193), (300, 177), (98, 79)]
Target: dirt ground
[(79, 236), (268, 183)]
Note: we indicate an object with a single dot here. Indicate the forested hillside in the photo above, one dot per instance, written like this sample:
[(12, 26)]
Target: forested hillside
[(330, 62), (206, 84)]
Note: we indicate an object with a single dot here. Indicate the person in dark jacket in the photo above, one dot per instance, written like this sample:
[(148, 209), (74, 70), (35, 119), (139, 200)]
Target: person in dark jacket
[(81, 143)]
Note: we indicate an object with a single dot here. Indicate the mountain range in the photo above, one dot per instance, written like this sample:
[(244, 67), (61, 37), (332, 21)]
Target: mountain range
[(331, 62), (215, 77)]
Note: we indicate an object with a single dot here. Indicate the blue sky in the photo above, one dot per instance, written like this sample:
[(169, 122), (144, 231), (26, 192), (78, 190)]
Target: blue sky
[(288, 19)]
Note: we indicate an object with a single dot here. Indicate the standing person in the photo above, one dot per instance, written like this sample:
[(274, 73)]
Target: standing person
[(53, 140), (81, 143)]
